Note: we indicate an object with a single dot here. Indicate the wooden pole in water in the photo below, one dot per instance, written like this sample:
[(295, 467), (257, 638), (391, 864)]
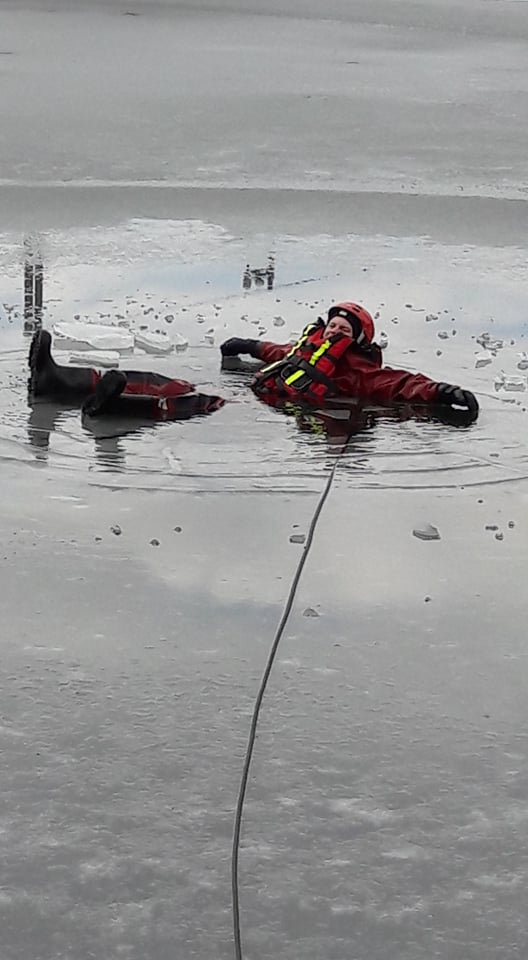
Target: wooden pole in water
[(29, 293), (39, 280), (33, 286)]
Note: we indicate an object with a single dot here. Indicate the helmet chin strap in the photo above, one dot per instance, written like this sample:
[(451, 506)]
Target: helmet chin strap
[(360, 337)]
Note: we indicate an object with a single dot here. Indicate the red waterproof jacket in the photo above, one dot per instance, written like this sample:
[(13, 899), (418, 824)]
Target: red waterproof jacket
[(361, 375), (157, 397), (143, 383)]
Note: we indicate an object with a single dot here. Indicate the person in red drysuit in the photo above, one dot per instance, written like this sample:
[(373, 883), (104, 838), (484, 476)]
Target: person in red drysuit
[(132, 392), (340, 359)]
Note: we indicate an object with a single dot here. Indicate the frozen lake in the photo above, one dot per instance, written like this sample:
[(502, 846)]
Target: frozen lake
[(379, 152)]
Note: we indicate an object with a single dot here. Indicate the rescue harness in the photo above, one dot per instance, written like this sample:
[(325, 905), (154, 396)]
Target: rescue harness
[(306, 372)]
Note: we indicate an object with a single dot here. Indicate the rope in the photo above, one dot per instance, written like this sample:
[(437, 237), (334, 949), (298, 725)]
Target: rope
[(258, 703)]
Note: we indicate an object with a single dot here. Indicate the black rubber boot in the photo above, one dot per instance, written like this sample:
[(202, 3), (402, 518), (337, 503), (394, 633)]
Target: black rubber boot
[(48, 379), (41, 364), (109, 388)]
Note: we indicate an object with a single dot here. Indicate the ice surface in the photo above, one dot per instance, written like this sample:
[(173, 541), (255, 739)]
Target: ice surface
[(379, 150)]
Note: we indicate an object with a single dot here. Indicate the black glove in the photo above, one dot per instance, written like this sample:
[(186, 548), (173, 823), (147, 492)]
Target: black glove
[(454, 396), (236, 345)]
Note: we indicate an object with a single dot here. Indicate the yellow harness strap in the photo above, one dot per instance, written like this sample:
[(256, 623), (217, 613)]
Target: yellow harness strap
[(319, 352), (313, 360), (304, 336)]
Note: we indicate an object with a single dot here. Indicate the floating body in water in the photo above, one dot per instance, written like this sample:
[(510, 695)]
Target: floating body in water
[(132, 392), (340, 359)]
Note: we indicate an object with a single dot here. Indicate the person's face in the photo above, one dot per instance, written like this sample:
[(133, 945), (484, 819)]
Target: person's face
[(339, 325)]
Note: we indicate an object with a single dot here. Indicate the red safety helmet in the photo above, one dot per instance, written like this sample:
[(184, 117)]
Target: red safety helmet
[(360, 319)]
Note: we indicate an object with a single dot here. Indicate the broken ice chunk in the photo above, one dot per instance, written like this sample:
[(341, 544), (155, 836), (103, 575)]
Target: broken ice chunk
[(482, 360), (155, 343), (81, 336), (96, 358), (486, 340), (514, 384), (180, 343), (426, 531)]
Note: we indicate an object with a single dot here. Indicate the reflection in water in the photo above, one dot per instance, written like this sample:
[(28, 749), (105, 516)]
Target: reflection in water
[(46, 419), (253, 448), (108, 433), (109, 451), (338, 423), (335, 426), (43, 420)]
